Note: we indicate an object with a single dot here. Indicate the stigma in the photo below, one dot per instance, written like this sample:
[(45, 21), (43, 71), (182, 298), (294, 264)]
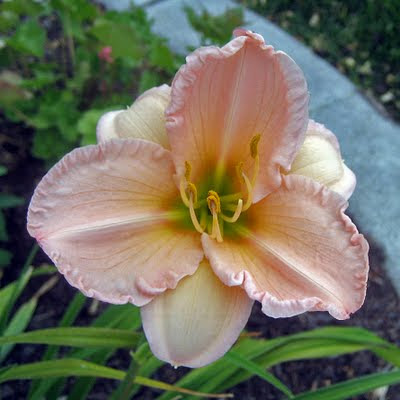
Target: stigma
[(212, 207)]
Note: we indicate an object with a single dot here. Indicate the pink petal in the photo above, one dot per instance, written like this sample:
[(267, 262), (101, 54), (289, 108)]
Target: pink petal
[(301, 253), (101, 214), (223, 97), (144, 119), (319, 158), (198, 322)]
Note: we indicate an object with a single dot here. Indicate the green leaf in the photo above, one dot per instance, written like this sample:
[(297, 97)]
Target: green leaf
[(148, 79), (161, 56), (121, 36), (73, 367), (3, 170), (5, 258), (18, 324), (38, 389), (254, 369), (10, 294), (353, 387), (9, 200), (49, 145), (3, 228), (87, 126), (29, 38), (115, 316), (77, 337), (317, 343)]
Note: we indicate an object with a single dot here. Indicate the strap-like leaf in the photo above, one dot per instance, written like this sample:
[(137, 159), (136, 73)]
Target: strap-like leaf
[(74, 367), (353, 387), (255, 369), (76, 337)]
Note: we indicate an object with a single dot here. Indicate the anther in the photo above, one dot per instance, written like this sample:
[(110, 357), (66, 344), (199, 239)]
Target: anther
[(254, 145), (213, 201), (188, 170), (192, 190), (239, 172)]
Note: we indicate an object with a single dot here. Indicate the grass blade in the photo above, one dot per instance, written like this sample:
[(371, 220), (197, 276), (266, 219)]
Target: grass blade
[(77, 337), (255, 369), (352, 387), (74, 367), (38, 389), (18, 324)]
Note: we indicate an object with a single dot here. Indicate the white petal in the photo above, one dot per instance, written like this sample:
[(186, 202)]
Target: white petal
[(198, 322)]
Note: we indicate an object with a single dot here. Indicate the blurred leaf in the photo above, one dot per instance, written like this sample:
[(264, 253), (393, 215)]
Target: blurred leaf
[(48, 145), (161, 55), (3, 170), (122, 38), (87, 126), (3, 228), (23, 7), (10, 200), (352, 387), (73, 367), (215, 29), (148, 79), (18, 323), (5, 257), (10, 88), (29, 38), (76, 336)]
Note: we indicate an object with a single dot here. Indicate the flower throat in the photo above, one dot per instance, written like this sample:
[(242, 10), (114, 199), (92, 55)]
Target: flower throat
[(209, 214)]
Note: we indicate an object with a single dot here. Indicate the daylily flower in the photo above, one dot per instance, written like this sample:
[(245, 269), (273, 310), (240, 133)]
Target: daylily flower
[(206, 196)]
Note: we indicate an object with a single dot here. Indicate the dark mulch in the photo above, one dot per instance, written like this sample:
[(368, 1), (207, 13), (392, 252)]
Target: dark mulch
[(380, 312)]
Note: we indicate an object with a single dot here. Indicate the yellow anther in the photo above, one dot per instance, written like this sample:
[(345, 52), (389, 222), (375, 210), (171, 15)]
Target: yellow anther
[(213, 202), (236, 215), (254, 145), (188, 170), (192, 191), (239, 172)]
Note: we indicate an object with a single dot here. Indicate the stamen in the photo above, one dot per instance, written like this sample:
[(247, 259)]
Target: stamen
[(239, 172), (254, 145), (191, 188), (188, 170), (254, 154), (182, 190), (193, 215), (213, 201), (236, 215), (216, 232), (249, 193)]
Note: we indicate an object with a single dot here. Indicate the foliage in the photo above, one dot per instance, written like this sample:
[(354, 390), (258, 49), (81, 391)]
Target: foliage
[(53, 77), (360, 38), (215, 29)]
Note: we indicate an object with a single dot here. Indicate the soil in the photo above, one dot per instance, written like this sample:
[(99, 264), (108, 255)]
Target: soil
[(380, 312)]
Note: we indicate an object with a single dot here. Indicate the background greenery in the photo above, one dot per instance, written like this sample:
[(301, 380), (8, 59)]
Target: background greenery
[(54, 86), (359, 37)]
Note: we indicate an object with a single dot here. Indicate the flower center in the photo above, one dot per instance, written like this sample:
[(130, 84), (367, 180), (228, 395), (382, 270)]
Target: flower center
[(212, 209)]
